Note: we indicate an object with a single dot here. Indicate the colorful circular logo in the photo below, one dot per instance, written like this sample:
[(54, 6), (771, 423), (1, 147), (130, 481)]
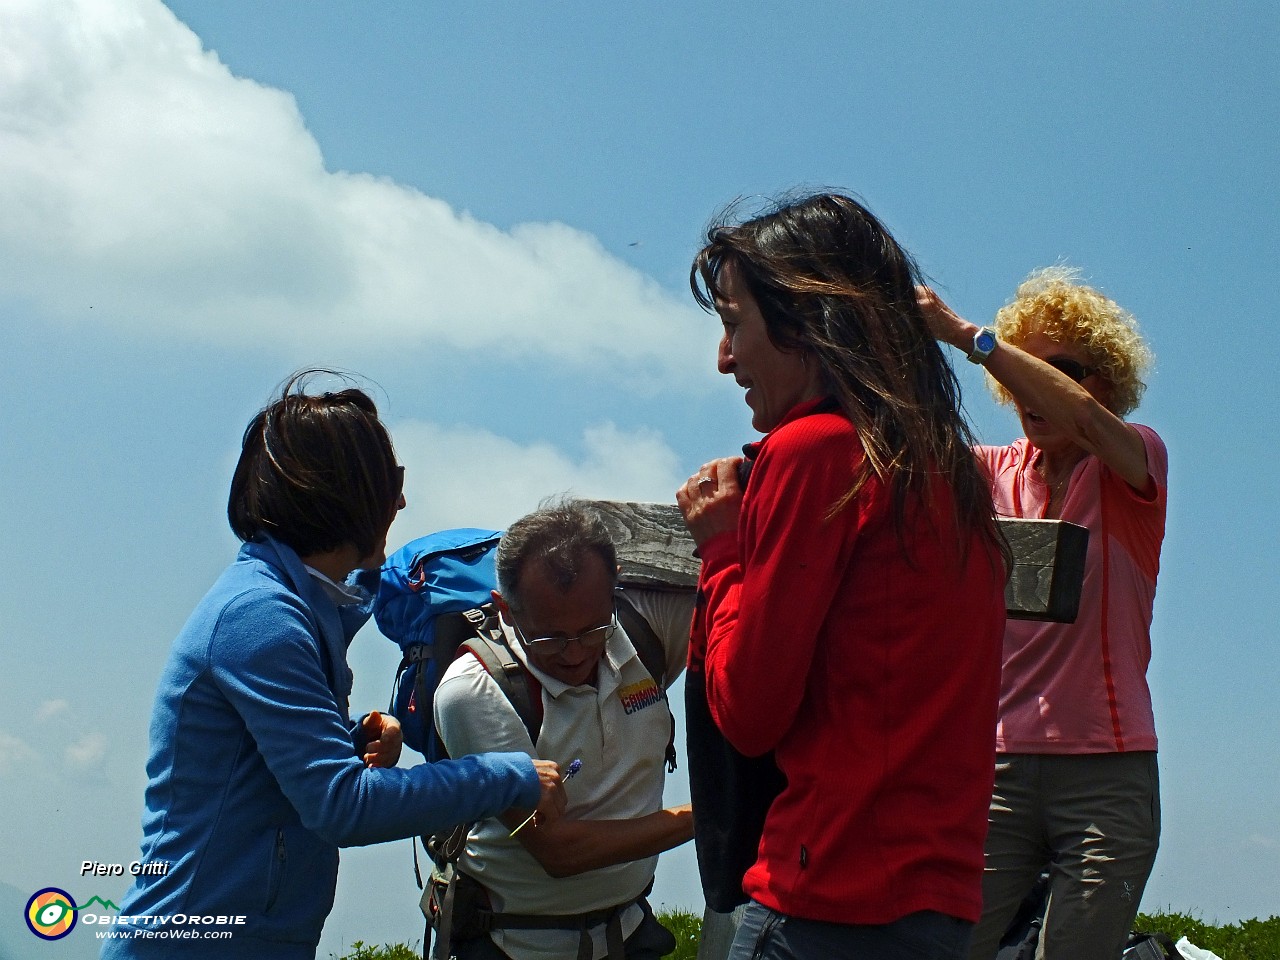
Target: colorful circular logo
[(51, 913)]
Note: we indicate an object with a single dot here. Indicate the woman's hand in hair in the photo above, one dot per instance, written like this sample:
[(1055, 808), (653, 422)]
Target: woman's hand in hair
[(944, 323), (383, 740), (711, 499)]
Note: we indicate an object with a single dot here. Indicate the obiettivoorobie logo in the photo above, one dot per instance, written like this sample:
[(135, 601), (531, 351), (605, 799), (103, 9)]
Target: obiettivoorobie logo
[(52, 912)]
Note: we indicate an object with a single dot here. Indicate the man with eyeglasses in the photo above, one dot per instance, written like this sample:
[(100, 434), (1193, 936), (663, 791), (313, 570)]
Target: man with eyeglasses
[(576, 887)]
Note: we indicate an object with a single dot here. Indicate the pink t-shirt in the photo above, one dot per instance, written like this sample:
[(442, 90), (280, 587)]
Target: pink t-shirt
[(1082, 687)]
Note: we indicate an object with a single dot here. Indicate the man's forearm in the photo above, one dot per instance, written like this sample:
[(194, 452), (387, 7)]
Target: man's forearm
[(569, 847)]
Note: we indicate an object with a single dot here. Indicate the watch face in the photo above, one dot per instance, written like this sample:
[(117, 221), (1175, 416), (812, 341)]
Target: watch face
[(985, 341)]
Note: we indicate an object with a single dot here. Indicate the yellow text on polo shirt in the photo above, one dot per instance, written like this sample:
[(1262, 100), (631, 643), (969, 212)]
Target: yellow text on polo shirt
[(637, 696)]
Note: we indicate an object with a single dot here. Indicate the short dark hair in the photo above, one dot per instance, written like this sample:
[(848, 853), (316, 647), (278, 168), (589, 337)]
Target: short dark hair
[(316, 471), (560, 534)]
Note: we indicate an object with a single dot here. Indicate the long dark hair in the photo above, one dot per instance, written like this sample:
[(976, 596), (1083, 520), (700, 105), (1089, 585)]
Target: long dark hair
[(316, 471), (832, 283)]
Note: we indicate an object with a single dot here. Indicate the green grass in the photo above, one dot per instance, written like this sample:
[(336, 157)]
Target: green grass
[(1246, 940), (687, 927), (388, 951)]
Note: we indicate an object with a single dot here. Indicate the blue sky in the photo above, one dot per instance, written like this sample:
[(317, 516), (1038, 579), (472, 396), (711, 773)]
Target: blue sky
[(489, 212)]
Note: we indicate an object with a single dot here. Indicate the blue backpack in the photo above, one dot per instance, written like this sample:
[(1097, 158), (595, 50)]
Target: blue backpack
[(431, 600), (434, 600)]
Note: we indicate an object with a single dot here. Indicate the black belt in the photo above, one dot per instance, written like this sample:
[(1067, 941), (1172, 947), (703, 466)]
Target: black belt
[(483, 920)]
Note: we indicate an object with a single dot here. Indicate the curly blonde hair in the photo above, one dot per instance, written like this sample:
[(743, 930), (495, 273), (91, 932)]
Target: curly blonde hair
[(1054, 302)]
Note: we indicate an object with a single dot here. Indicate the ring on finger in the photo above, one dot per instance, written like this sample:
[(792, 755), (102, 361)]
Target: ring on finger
[(703, 481)]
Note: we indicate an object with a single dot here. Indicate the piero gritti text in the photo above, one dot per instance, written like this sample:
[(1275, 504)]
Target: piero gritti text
[(138, 868)]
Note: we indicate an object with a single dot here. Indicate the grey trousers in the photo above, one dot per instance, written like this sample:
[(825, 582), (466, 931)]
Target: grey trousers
[(718, 931), (1094, 821)]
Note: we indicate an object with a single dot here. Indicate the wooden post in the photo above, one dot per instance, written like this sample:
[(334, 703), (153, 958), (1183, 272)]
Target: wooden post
[(1048, 569), (655, 550)]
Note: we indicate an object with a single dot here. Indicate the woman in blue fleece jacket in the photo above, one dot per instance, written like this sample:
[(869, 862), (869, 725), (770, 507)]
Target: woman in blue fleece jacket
[(257, 774)]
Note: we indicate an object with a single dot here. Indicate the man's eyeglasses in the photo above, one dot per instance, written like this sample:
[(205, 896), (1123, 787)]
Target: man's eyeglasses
[(554, 646), (1074, 369)]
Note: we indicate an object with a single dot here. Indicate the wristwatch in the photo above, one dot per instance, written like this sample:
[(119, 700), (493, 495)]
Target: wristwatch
[(984, 341)]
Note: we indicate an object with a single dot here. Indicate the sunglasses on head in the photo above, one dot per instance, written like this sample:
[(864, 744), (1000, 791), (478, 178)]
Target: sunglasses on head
[(397, 487), (1074, 369)]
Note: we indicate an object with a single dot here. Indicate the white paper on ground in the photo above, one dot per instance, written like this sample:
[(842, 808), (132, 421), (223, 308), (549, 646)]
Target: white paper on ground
[(1191, 952)]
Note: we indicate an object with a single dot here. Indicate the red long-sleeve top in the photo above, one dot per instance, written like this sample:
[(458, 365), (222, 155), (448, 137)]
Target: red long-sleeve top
[(874, 679)]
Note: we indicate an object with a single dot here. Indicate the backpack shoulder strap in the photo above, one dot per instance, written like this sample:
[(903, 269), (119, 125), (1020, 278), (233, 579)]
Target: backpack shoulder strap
[(518, 685), (654, 657), (648, 647), (451, 631)]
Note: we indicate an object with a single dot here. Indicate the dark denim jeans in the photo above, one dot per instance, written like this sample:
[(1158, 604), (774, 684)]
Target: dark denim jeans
[(768, 935)]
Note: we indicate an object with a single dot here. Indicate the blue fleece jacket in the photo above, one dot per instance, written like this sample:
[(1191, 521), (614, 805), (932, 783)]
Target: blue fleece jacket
[(254, 777)]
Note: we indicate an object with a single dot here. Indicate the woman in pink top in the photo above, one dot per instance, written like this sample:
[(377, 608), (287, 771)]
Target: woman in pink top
[(1077, 791)]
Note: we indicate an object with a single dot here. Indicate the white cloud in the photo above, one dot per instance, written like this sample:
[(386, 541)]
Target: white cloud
[(16, 755), (55, 726), (87, 752), (51, 709), (456, 476), (147, 187)]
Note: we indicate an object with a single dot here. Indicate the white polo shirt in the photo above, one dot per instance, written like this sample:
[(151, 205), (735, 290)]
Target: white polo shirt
[(619, 729)]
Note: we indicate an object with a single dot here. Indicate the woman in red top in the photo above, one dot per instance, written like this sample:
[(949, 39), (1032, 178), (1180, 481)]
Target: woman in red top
[(851, 594)]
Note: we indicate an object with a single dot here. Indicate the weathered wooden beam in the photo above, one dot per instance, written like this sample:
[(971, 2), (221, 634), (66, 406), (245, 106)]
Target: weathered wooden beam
[(654, 546), (655, 550), (1048, 569)]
